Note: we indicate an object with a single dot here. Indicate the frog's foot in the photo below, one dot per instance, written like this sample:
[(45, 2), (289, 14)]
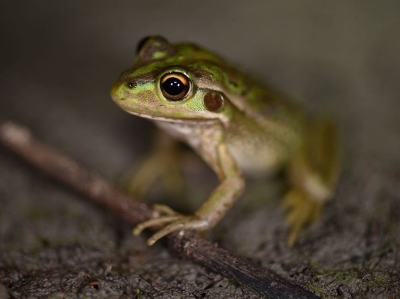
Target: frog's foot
[(303, 209), (172, 222)]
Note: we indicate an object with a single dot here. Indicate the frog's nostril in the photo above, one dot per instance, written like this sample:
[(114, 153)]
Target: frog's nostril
[(131, 84)]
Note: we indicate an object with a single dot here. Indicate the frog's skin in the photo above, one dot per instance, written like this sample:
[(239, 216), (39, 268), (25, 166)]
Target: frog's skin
[(236, 124)]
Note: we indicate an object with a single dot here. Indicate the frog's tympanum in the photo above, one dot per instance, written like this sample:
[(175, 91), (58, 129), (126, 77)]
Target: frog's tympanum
[(236, 124)]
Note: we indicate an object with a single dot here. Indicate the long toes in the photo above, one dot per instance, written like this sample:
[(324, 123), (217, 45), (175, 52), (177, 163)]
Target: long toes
[(183, 223), (164, 210), (297, 218), (153, 222), (293, 235), (177, 225)]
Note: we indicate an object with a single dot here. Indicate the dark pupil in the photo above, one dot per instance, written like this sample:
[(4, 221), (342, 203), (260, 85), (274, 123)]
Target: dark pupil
[(173, 86)]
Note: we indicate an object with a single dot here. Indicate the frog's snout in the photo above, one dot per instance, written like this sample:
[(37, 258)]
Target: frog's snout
[(115, 94), (114, 88)]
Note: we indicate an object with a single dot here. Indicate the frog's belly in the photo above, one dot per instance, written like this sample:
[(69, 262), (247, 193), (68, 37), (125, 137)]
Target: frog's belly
[(259, 159), (254, 155)]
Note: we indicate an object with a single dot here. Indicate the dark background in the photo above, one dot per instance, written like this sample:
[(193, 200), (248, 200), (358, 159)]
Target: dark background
[(58, 61)]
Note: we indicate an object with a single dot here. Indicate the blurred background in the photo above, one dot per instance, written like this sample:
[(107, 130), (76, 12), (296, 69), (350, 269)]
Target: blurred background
[(59, 59)]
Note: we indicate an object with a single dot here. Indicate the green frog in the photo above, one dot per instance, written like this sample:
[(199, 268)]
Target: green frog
[(236, 124)]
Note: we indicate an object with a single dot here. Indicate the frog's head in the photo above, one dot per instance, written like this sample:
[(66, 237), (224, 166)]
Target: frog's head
[(174, 82)]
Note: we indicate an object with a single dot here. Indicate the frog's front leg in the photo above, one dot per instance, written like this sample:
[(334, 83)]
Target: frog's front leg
[(313, 174), (210, 213)]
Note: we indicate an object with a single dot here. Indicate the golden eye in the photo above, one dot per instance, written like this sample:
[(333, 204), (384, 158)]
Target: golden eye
[(175, 86)]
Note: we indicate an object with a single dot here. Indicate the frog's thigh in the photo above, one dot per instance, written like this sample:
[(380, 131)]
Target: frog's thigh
[(315, 166), (312, 174)]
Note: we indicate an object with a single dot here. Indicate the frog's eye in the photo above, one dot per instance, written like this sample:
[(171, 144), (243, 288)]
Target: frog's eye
[(175, 86)]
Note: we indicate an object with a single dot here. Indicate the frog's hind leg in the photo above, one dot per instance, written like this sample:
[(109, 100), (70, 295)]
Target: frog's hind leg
[(163, 162), (313, 174)]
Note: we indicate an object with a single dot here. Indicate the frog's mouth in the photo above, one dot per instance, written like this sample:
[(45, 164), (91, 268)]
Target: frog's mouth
[(173, 120)]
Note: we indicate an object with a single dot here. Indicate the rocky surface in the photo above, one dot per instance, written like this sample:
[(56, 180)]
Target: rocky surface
[(58, 62)]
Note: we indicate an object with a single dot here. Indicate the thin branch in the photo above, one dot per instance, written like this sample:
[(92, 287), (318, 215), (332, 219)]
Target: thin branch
[(188, 244)]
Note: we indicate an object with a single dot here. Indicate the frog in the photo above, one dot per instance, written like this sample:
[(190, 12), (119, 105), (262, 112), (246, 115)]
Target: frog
[(237, 124)]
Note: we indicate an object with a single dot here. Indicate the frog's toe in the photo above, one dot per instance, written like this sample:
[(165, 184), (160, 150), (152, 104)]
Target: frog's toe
[(163, 215), (171, 220), (154, 222), (186, 222), (164, 210), (302, 209)]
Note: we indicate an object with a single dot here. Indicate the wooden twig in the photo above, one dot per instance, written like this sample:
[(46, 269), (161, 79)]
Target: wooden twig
[(188, 244)]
